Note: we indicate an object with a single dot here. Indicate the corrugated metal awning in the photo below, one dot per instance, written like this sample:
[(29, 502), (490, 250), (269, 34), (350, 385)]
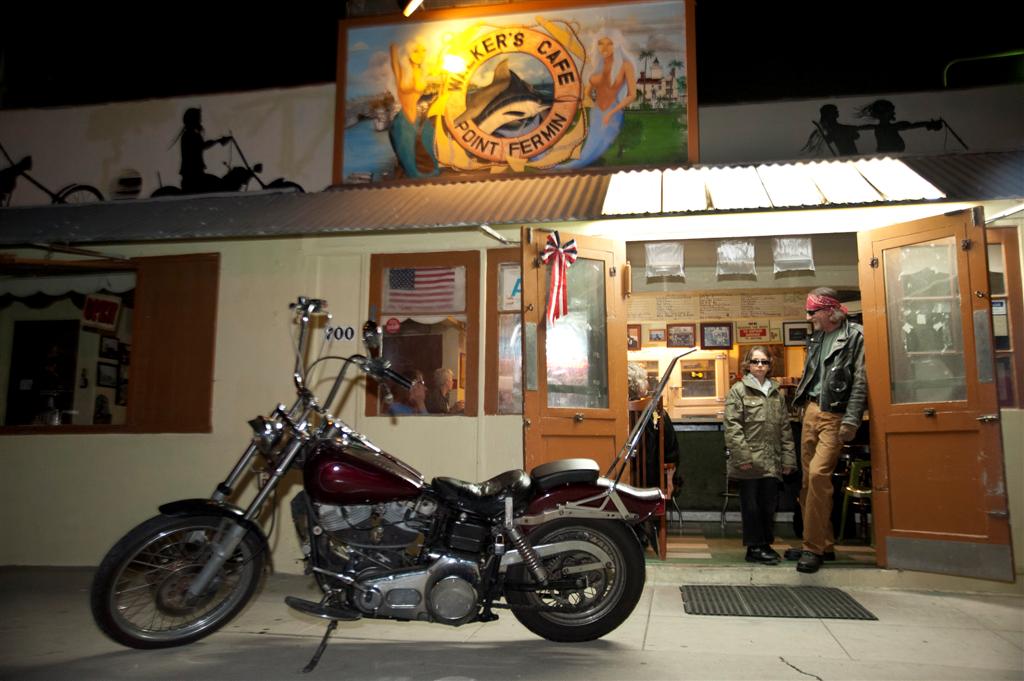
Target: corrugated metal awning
[(519, 200)]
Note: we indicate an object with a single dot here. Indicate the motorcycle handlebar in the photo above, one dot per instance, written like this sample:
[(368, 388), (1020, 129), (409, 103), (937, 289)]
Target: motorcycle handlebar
[(396, 377)]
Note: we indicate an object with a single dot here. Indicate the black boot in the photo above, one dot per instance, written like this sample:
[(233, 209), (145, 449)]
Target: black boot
[(809, 562), (757, 554)]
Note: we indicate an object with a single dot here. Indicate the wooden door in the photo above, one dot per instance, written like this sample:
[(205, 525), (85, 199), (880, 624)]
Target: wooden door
[(939, 485), (574, 371)]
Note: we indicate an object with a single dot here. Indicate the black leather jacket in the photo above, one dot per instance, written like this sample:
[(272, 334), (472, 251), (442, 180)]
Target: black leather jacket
[(844, 389)]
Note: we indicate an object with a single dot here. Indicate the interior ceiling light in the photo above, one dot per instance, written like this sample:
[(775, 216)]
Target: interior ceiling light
[(411, 6)]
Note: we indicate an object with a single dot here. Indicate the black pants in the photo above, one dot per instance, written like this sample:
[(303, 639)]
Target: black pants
[(758, 500)]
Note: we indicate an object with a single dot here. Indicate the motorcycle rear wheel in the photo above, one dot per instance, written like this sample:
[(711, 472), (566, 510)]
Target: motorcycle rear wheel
[(611, 591), (166, 190), (138, 595), (79, 193)]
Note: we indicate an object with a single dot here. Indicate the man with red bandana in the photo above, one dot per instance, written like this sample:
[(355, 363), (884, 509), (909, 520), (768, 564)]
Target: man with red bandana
[(833, 391)]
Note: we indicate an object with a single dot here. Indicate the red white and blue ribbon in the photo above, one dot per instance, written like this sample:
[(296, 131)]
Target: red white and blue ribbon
[(563, 257)]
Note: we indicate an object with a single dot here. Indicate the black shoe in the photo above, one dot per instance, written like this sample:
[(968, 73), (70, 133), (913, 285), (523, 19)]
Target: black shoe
[(768, 550), (794, 554), (757, 554), (809, 562)]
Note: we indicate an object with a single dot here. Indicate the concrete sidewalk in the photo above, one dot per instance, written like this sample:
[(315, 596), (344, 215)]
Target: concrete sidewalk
[(46, 632)]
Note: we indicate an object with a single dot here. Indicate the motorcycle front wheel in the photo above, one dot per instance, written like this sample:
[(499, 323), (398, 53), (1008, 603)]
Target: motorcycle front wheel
[(79, 193), (139, 594), (608, 594)]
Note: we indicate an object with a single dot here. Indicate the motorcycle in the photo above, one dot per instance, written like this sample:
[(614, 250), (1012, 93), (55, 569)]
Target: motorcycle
[(561, 547), (72, 193), (236, 178)]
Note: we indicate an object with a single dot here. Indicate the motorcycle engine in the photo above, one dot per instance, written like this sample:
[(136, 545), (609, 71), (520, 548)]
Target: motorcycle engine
[(402, 577), (393, 525)]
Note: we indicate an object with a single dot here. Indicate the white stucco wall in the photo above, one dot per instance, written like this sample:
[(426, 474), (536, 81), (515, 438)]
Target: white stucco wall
[(65, 499)]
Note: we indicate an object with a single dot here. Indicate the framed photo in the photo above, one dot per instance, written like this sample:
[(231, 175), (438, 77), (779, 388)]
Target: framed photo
[(633, 337), (656, 335), (109, 348), (106, 375), (100, 311), (125, 352), (429, 87), (716, 336), (681, 335), (796, 333)]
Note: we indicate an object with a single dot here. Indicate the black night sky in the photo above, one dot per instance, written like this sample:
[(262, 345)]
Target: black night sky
[(101, 52)]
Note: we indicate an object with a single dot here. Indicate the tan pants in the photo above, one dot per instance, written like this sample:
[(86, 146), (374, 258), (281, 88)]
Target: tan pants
[(819, 451)]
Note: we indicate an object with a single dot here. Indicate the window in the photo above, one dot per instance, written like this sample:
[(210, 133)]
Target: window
[(504, 354), (428, 306), (1007, 311), (90, 344)]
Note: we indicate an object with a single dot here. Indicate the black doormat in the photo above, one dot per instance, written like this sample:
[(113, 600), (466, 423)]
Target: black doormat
[(817, 602)]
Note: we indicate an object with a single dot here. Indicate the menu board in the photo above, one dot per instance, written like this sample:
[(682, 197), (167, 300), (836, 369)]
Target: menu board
[(650, 308), (687, 307), (762, 305), (793, 305), (720, 307), (639, 308), (710, 307)]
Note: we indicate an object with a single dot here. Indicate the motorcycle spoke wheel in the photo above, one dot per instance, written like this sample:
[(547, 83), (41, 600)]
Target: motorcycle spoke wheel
[(80, 193), (605, 596), (140, 593)]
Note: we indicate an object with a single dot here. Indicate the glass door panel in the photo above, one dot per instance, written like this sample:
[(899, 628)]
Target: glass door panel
[(576, 346), (926, 355)]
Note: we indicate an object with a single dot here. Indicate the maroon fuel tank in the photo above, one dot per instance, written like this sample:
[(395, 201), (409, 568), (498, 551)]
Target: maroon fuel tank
[(337, 475)]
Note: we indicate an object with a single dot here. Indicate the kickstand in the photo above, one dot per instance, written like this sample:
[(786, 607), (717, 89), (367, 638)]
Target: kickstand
[(331, 626)]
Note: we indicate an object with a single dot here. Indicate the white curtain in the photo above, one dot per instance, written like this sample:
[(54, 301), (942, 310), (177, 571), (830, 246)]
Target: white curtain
[(115, 282)]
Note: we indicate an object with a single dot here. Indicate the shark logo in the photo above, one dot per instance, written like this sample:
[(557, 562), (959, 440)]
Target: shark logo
[(511, 119), (507, 107)]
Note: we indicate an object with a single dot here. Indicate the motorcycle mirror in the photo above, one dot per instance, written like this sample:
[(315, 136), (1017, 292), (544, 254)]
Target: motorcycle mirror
[(371, 338)]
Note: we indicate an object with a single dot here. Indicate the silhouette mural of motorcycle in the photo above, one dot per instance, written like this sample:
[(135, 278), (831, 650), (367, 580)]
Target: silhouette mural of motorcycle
[(236, 179), (72, 193)]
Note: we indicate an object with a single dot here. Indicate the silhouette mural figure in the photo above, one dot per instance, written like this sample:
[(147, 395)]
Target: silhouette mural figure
[(840, 138), (888, 129), (194, 178)]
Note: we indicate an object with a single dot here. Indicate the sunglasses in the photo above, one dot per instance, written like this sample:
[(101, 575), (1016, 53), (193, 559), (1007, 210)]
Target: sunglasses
[(760, 361)]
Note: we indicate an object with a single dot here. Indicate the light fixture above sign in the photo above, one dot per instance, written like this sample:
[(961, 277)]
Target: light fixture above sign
[(411, 6)]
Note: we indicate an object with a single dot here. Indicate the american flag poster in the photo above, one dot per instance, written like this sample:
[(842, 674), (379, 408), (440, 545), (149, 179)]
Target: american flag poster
[(424, 289)]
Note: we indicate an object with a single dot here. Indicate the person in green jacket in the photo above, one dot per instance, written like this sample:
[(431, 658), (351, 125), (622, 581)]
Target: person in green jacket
[(759, 446)]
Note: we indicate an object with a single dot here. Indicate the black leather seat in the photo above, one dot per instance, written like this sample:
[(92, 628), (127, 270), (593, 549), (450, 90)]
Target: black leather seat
[(487, 497)]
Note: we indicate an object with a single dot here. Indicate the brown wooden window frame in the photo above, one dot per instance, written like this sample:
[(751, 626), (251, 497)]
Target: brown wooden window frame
[(173, 345), (470, 260), (495, 258)]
